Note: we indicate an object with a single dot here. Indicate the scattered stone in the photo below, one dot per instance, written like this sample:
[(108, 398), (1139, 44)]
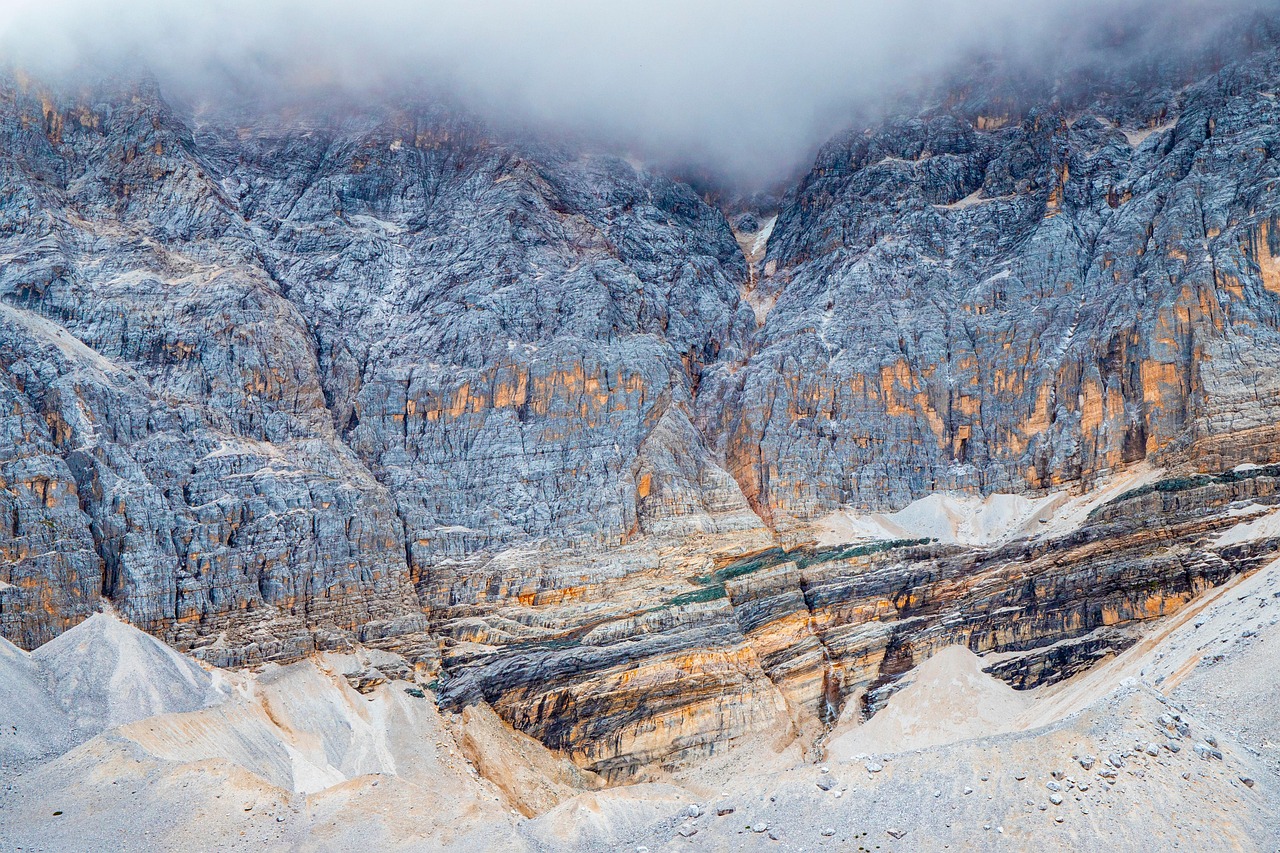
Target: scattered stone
[(1152, 749), (1086, 762), (1057, 818), (760, 827), (826, 783), (1205, 751), (827, 832), (1020, 776), (687, 831), (724, 810), (1056, 799), (895, 833), (874, 767), (1173, 746), (1248, 782), (1116, 760), (1053, 786), (694, 810)]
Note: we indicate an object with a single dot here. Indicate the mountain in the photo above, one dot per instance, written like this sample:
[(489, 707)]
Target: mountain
[(549, 428)]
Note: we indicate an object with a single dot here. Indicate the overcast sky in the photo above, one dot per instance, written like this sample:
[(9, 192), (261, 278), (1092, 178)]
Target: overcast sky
[(744, 87)]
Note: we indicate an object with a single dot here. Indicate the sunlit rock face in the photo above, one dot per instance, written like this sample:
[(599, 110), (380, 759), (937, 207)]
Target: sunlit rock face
[(544, 423)]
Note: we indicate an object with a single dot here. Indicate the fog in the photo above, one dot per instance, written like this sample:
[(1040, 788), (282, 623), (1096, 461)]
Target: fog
[(745, 89)]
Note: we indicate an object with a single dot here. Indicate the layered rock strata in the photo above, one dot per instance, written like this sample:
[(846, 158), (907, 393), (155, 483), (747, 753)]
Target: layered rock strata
[(536, 418), (672, 661)]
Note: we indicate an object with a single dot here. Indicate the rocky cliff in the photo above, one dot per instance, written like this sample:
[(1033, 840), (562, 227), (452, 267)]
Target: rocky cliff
[(546, 424), (1009, 291)]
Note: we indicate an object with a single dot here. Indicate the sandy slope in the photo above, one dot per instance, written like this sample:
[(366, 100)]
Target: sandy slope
[(32, 723), (949, 699), (965, 519), (285, 757), (1124, 757), (106, 673)]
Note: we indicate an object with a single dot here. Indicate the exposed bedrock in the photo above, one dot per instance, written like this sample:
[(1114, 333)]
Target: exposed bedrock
[(629, 666), (1012, 301), (540, 420)]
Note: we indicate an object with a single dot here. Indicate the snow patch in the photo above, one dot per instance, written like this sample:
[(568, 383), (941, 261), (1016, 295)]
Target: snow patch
[(972, 200), (761, 240), (71, 347)]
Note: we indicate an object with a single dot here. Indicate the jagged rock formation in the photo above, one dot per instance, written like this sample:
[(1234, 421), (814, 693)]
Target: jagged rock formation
[(1010, 291), (547, 424), (285, 371), (634, 671)]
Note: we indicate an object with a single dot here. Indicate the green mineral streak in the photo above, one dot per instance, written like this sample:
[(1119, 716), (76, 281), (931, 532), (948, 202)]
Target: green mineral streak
[(712, 586), (1194, 481)]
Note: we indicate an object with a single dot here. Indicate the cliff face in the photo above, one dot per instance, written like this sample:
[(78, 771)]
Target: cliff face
[(174, 450), (1005, 294), (676, 656), (537, 420), (282, 372)]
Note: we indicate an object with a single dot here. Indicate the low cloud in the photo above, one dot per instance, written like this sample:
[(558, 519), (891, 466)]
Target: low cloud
[(743, 89)]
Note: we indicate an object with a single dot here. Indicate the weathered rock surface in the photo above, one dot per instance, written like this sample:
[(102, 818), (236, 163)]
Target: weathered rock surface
[(551, 428), (285, 370), (1010, 291), (1160, 742), (796, 636)]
